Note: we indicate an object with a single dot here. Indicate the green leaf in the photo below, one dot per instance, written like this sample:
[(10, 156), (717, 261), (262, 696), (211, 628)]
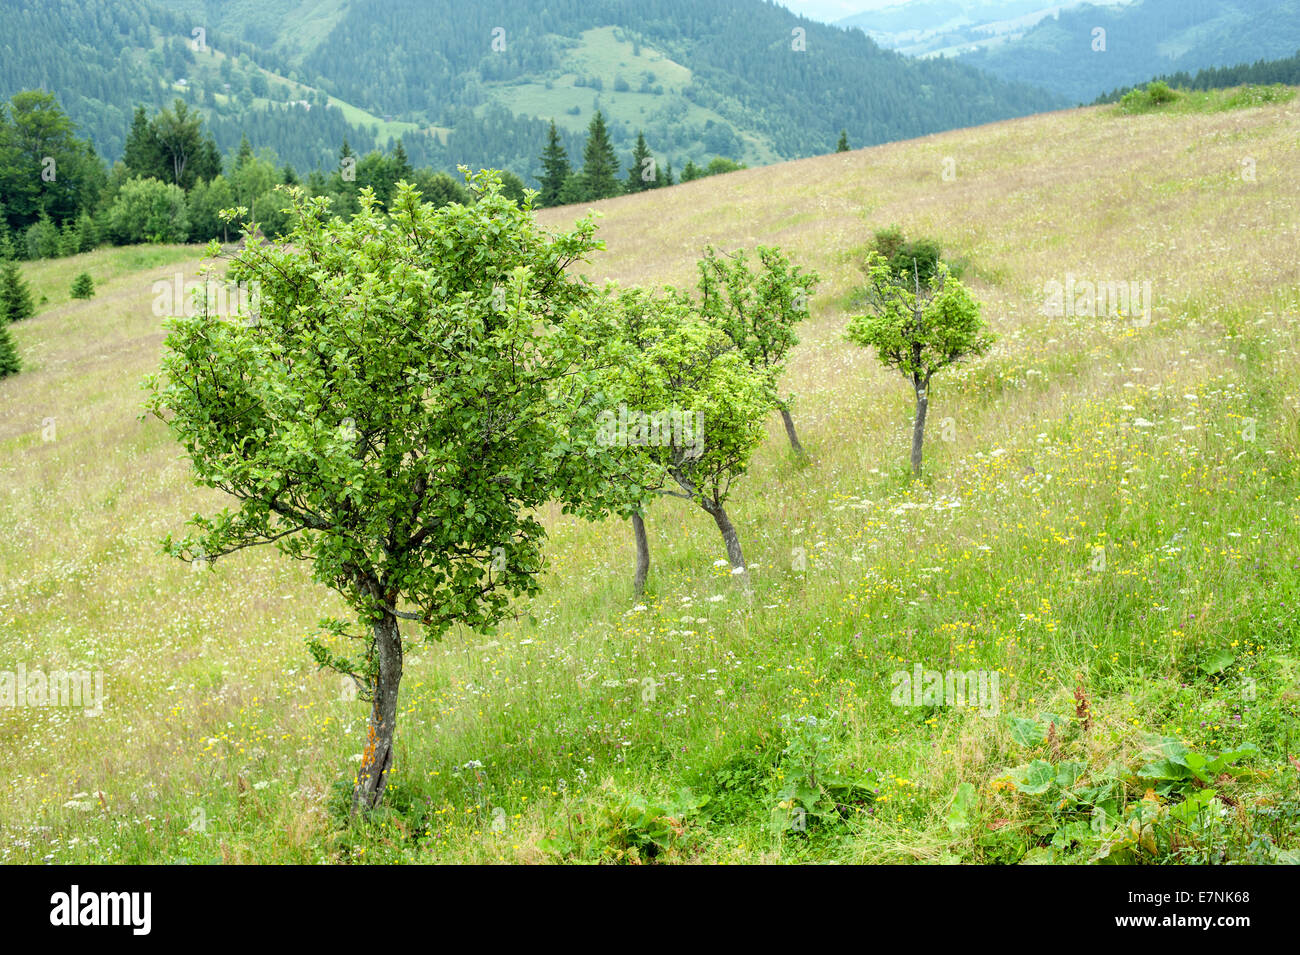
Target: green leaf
[(1217, 662), (1034, 779), (962, 803), (1025, 731)]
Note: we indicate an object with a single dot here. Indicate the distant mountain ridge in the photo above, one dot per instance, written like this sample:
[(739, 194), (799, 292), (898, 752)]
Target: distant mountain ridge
[(476, 83), (1142, 39)]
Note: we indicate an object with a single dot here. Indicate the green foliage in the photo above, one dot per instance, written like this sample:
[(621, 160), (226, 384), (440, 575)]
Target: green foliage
[(908, 261), (47, 174), (15, 296), (715, 167), (82, 286), (757, 313), (147, 210), (404, 437), (556, 168), (810, 794), (171, 147), (842, 146), (1271, 77), (1151, 97), (629, 829), (42, 239), (599, 163), (661, 357), (10, 364), (405, 396), (642, 174), (719, 165), (1080, 813), (918, 331)]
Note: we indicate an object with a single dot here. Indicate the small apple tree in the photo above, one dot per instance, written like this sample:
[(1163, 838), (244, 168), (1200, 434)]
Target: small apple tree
[(758, 313), (409, 391), (918, 328), (698, 404)]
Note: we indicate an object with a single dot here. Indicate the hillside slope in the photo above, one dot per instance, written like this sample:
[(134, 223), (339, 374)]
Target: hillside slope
[(1107, 522)]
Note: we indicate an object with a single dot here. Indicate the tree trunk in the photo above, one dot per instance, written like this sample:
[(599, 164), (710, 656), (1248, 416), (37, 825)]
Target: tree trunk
[(730, 538), (789, 431), (642, 554), (918, 428), (377, 758)]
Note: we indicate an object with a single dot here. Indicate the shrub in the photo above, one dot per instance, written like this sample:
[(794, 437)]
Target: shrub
[(1152, 96), (147, 210), (43, 240)]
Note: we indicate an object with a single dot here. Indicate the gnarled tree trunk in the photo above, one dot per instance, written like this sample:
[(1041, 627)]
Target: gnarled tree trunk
[(377, 758), (642, 554), (789, 431)]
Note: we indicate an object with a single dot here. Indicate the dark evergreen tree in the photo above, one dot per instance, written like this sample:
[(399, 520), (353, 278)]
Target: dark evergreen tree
[(599, 161), (555, 168), (83, 286), (142, 157), (401, 164), (9, 361), (15, 297), (642, 174), (843, 145)]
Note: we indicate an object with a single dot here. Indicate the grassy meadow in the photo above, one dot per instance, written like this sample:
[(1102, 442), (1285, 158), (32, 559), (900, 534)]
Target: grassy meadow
[(1107, 523)]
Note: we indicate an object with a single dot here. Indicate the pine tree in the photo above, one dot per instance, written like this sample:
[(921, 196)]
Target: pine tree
[(245, 154), (643, 166), (843, 145), (15, 299), (599, 161), (691, 172), (401, 164), (142, 156), (9, 361), (83, 286), (555, 163)]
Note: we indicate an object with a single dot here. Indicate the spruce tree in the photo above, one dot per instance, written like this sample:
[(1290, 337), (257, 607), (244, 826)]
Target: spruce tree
[(599, 161), (556, 168), (843, 145), (401, 164), (15, 299), (9, 361), (83, 286), (142, 155), (643, 165)]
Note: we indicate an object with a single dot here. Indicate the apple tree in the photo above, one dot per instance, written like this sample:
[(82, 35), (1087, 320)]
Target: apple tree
[(409, 390), (918, 328)]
